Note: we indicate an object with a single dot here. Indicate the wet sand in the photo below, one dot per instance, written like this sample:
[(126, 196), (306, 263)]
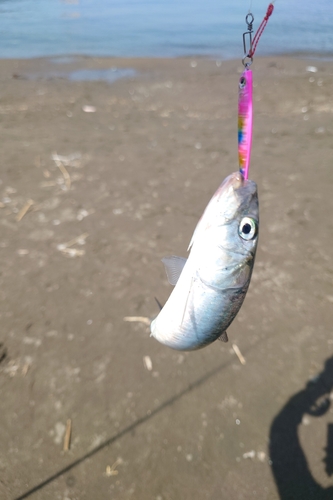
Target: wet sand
[(82, 235)]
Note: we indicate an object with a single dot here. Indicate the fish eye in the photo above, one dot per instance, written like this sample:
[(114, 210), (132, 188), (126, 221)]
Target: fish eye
[(248, 228), (242, 82)]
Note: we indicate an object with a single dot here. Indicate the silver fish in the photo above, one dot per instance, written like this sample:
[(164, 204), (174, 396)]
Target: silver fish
[(212, 283)]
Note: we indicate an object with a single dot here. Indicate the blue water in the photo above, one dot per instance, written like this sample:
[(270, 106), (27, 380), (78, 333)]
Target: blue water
[(33, 28)]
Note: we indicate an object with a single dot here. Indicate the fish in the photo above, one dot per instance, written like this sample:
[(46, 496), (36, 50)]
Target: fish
[(210, 286)]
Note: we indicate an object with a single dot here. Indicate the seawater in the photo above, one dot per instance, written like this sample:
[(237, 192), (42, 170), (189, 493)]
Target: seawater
[(160, 28)]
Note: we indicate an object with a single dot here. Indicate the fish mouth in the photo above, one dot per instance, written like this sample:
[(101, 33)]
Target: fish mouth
[(233, 181), (236, 185), (234, 196)]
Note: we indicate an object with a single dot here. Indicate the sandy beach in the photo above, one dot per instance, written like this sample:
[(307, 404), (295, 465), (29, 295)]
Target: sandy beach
[(100, 181)]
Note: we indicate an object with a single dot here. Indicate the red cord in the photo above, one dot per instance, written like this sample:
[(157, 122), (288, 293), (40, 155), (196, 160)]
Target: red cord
[(260, 30)]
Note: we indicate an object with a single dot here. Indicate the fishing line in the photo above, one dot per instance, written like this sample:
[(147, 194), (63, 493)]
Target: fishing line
[(260, 30)]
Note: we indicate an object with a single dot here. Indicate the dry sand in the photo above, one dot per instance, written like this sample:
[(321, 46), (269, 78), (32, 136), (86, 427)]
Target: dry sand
[(149, 423)]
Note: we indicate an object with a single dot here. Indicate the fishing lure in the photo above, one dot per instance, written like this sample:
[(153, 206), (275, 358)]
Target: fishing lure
[(245, 92), (245, 119), (210, 286)]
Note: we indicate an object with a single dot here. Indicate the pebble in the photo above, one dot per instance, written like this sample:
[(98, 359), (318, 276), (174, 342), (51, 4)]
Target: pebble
[(89, 109), (147, 362)]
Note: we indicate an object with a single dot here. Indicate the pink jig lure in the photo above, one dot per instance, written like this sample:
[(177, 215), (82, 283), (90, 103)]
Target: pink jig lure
[(245, 118), (245, 94)]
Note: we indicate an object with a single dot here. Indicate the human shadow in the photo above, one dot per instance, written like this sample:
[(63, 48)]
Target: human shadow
[(289, 465)]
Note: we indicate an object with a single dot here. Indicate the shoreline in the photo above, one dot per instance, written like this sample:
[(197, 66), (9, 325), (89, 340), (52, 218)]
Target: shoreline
[(210, 57), (91, 69)]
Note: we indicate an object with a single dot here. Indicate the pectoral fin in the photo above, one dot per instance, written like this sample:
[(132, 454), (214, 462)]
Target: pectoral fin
[(173, 267), (223, 337)]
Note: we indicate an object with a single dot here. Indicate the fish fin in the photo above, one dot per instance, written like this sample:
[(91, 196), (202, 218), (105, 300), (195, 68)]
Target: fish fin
[(173, 267), (223, 337), (159, 304)]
